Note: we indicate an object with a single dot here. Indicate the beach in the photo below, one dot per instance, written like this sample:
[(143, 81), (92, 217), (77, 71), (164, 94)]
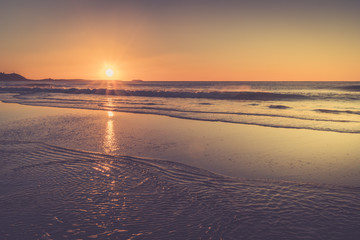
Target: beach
[(180, 120), (234, 150), (75, 173)]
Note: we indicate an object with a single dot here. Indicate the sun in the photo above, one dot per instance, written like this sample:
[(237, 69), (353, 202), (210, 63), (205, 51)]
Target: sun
[(109, 72)]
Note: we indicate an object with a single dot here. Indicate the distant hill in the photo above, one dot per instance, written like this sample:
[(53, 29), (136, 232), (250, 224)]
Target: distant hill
[(137, 81), (11, 77)]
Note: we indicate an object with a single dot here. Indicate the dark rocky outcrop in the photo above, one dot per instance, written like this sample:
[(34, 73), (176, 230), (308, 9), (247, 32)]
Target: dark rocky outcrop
[(11, 77)]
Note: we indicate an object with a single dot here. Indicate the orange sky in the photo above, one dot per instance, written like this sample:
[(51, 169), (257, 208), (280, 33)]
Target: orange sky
[(185, 40)]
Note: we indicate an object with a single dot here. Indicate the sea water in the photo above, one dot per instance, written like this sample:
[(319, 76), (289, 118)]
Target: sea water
[(325, 106), (53, 192)]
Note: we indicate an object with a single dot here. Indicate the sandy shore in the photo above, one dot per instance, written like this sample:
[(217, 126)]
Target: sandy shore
[(236, 150), (74, 174)]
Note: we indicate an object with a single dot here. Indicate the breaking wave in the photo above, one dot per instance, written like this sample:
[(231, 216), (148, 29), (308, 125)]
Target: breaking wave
[(283, 105), (218, 95)]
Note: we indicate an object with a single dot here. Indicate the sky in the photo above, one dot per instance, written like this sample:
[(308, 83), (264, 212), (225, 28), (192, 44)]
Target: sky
[(198, 40)]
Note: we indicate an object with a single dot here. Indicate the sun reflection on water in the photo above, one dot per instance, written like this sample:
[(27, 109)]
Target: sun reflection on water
[(110, 114), (109, 144)]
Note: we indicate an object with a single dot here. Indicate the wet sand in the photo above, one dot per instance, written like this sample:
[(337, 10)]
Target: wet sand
[(84, 174), (236, 150)]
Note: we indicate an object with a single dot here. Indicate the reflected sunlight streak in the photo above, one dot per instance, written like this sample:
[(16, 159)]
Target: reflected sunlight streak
[(109, 144)]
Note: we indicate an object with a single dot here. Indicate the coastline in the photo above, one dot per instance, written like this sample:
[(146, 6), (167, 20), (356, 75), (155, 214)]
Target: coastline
[(90, 174), (236, 150)]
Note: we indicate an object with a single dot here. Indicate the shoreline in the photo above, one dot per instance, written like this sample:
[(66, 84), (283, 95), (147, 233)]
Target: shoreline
[(199, 119), (234, 150)]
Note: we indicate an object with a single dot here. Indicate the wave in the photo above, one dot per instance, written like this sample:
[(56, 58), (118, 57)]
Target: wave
[(159, 108), (337, 111), (64, 193), (352, 88), (278, 107), (218, 95), (281, 114), (267, 119)]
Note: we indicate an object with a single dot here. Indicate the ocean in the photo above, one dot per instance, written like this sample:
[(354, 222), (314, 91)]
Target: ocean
[(324, 106), (179, 160)]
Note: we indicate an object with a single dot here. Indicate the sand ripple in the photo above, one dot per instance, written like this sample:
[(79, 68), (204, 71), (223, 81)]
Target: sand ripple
[(49, 192)]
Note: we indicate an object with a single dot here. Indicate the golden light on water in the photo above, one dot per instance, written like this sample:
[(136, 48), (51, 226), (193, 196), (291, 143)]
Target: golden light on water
[(109, 144), (110, 114)]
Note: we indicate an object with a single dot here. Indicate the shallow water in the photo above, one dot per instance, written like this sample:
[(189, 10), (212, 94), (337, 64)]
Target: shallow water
[(323, 106), (229, 149), (55, 193), (78, 174)]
